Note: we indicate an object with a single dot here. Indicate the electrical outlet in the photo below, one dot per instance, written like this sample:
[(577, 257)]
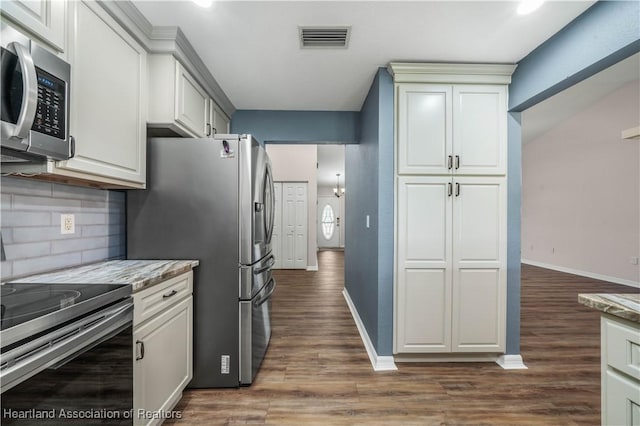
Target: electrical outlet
[(634, 260), (67, 224)]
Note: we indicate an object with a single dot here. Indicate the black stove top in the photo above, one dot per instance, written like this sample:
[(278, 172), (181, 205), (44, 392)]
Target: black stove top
[(29, 307)]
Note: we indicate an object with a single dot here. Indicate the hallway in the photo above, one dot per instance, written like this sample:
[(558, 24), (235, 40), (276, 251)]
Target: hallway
[(316, 370)]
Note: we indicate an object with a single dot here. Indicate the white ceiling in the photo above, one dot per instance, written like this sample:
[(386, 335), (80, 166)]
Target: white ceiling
[(330, 162), (253, 51), (540, 118)]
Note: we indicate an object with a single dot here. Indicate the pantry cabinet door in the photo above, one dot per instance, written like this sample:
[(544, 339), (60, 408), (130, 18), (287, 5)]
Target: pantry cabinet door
[(480, 129), (424, 128), (423, 298), (479, 264)]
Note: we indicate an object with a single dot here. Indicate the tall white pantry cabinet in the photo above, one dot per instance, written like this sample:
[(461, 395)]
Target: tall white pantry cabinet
[(451, 210)]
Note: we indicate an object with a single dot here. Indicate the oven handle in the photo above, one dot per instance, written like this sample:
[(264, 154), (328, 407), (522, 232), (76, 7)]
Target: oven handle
[(270, 288), (61, 346), (29, 91)]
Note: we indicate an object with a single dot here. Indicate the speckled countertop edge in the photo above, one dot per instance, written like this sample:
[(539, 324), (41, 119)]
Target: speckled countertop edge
[(138, 273), (625, 306)]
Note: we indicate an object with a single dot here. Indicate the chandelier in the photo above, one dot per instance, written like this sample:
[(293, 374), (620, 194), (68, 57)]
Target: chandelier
[(337, 191)]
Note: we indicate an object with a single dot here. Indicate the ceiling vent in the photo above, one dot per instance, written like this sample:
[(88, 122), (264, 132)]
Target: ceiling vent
[(324, 37)]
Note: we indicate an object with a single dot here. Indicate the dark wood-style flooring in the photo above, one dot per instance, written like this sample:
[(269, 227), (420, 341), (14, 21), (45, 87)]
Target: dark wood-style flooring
[(317, 371)]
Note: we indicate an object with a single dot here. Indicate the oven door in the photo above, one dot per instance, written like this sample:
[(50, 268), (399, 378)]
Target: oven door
[(255, 331), (81, 373)]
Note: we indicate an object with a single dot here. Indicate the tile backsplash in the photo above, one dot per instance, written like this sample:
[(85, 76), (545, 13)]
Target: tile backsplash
[(30, 224)]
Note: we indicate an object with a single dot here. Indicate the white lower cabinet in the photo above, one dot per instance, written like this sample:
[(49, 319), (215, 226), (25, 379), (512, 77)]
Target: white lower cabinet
[(620, 358), (451, 264), (163, 348)]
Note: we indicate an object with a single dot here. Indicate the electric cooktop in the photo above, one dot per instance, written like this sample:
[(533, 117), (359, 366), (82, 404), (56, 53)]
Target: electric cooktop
[(28, 308)]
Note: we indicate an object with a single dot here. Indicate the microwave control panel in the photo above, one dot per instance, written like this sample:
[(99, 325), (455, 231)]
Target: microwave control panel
[(50, 112)]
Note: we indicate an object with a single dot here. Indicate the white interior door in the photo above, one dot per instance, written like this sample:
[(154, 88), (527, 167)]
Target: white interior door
[(276, 237), (294, 225), (329, 222)]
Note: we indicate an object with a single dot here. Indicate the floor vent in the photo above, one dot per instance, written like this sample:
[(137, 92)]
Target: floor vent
[(324, 37)]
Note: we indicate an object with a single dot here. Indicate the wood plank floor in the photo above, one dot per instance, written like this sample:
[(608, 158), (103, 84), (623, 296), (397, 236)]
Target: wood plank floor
[(317, 372)]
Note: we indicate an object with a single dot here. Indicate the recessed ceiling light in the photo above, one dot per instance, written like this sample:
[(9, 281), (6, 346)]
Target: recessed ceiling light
[(203, 3), (528, 6)]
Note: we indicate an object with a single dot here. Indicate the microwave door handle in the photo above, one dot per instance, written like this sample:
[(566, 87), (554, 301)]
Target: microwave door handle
[(29, 91)]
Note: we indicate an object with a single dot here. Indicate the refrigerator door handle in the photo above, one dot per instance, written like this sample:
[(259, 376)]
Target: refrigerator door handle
[(270, 262), (270, 288)]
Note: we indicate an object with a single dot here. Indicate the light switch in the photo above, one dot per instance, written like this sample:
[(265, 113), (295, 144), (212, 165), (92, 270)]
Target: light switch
[(367, 221)]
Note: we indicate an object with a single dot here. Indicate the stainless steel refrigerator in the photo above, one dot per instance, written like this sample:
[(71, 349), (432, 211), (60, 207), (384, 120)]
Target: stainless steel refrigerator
[(212, 200)]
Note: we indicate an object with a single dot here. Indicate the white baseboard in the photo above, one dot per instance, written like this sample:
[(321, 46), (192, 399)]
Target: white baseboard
[(587, 274), (313, 268), (511, 362), (379, 363)]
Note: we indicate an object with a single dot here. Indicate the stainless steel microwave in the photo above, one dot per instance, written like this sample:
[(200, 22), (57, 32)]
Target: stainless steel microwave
[(35, 101)]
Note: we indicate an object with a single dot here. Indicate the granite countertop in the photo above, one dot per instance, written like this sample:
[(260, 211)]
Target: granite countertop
[(625, 306), (139, 273)]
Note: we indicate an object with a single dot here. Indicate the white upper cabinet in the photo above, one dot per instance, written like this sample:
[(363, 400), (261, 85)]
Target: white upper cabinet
[(44, 19), (218, 119), (479, 129), (192, 103), (459, 129), (448, 124), (179, 103), (424, 129), (109, 100)]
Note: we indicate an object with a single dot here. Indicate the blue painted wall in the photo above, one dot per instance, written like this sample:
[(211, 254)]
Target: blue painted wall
[(605, 34), (514, 256), (298, 126), (369, 251)]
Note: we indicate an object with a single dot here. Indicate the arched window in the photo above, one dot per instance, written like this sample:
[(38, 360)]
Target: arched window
[(328, 225)]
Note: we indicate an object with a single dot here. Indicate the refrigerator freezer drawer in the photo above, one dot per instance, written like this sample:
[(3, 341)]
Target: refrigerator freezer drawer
[(255, 332)]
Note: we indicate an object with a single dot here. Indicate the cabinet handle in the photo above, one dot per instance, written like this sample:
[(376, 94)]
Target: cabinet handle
[(450, 162), (457, 189), (208, 129), (168, 295), (215, 131), (139, 350), (457, 162), (450, 185), (72, 147)]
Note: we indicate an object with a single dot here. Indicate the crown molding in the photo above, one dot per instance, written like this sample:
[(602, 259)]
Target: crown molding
[(415, 72), (168, 40)]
